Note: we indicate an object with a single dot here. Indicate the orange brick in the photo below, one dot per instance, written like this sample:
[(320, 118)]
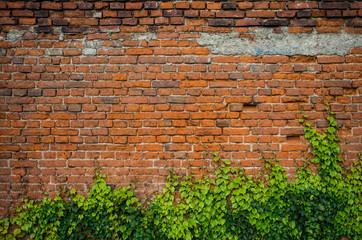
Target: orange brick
[(275, 59), (139, 51), (120, 77), (330, 59), (195, 51)]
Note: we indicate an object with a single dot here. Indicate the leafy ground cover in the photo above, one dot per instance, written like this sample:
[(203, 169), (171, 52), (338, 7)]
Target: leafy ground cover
[(230, 205)]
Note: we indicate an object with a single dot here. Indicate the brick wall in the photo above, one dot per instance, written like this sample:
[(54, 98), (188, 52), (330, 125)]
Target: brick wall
[(135, 88)]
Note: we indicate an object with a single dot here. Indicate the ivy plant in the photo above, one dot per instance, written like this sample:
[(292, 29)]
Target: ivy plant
[(228, 204)]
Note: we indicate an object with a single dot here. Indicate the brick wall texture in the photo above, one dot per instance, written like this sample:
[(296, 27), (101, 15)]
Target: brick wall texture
[(131, 87)]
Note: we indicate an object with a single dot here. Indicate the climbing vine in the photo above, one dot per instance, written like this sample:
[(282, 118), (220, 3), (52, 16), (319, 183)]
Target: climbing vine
[(229, 205)]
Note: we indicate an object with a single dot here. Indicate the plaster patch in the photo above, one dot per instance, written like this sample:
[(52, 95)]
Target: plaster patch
[(144, 36), (288, 44), (14, 35), (91, 47)]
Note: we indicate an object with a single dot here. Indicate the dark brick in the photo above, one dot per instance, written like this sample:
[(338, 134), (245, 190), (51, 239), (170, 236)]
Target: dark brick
[(60, 22), (34, 92), (286, 14), (221, 22), (130, 21), (334, 13), (248, 22), (343, 116), (236, 107), (74, 108), (275, 23), (333, 5), (124, 14), (32, 5), (236, 76), (166, 84), (85, 5), (222, 123), (191, 13), (303, 23), (229, 6), (354, 23), (356, 5), (44, 22), (8, 21), (150, 5), (176, 99), (110, 21), (44, 29), (41, 14), (116, 5), (300, 68), (74, 29), (173, 13), (29, 36), (336, 91), (349, 13), (77, 77), (18, 60), (6, 92), (20, 92), (303, 14), (322, 123)]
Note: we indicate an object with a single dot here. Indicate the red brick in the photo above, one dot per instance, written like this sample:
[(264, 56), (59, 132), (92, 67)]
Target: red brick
[(83, 22), (134, 5), (51, 6), (182, 5), (286, 14), (330, 59), (214, 6), (195, 51), (198, 5), (275, 59), (245, 5), (260, 14), (230, 14)]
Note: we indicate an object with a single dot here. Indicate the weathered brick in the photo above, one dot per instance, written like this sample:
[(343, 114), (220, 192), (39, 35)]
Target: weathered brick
[(116, 5), (303, 23), (302, 5), (275, 23), (166, 84), (333, 5), (150, 5), (260, 14), (286, 14), (124, 14), (173, 13), (221, 22), (229, 6)]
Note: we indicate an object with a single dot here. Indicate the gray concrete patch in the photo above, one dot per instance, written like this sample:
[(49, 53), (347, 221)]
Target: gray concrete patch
[(14, 35), (91, 47), (54, 52), (288, 44)]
